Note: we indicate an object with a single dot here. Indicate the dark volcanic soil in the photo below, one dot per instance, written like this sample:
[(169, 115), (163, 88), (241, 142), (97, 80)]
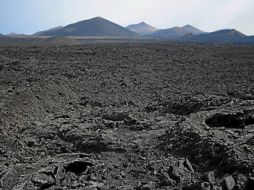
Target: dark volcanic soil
[(127, 116)]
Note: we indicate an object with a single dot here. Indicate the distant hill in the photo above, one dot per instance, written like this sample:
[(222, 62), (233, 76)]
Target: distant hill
[(142, 28), (49, 30), (15, 34), (93, 27), (193, 30), (176, 32), (251, 38), (60, 40), (223, 36)]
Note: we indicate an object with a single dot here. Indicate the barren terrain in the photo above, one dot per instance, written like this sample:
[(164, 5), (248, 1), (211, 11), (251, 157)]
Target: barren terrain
[(127, 116)]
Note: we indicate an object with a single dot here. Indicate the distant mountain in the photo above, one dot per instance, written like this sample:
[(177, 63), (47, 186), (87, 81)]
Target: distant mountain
[(176, 32), (49, 30), (93, 27), (15, 34), (223, 36), (251, 38), (193, 30), (1, 34), (142, 28)]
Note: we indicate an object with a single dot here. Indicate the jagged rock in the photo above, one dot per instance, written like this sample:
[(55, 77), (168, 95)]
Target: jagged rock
[(210, 177), (216, 187), (120, 117), (174, 173), (9, 179), (43, 180), (186, 164), (21, 186), (148, 186), (186, 105), (228, 182), (110, 124), (165, 179), (241, 181), (205, 186)]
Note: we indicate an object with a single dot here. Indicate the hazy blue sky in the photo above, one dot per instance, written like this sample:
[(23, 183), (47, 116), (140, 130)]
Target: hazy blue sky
[(29, 16)]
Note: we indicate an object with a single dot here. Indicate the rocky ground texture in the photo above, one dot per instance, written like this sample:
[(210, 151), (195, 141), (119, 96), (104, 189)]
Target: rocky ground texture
[(137, 116)]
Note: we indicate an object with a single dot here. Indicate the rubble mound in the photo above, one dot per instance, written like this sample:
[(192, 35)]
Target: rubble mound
[(220, 141)]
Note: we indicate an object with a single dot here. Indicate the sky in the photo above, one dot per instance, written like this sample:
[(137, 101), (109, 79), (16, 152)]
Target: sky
[(30, 16)]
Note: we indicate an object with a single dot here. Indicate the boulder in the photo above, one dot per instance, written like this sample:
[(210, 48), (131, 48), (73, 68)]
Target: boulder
[(228, 183)]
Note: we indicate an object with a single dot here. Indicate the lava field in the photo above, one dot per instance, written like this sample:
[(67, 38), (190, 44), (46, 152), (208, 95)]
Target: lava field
[(127, 116)]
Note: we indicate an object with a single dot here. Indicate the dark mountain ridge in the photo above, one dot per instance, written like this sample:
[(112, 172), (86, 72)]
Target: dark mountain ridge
[(93, 27), (102, 28), (49, 30), (142, 28), (223, 36), (176, 32)]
